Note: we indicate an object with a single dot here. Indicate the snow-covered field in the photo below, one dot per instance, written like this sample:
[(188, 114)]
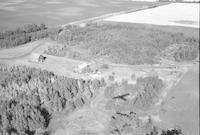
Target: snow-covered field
[(177, 14)]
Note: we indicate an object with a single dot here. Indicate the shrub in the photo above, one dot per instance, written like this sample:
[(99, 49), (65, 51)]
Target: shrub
[(172, 132), (104, 66), (87, 69), (133, 77), (111, 77), (186, 53)]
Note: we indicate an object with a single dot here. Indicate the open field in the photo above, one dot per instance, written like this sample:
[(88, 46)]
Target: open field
[(182, 103), (15, 13), (175, 14), (24, 50)]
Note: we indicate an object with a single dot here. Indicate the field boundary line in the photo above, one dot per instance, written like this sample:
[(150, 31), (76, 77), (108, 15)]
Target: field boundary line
[(101, 18)]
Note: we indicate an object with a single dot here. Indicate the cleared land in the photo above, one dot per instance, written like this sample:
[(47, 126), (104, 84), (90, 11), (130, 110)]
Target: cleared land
[(182, 103), (15, 13), (175, 14)]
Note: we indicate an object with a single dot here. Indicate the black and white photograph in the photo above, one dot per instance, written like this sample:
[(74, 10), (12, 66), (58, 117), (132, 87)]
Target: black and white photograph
[(99, 67)]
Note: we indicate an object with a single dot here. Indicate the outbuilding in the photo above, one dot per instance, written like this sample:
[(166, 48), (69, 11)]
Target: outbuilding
[(41, 58), (35, 57)]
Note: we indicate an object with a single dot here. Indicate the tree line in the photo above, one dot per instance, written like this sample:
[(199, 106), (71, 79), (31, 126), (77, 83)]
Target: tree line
[(26, 34)]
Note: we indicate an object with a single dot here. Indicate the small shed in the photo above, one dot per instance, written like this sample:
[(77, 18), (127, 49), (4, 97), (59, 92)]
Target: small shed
[(82, 25), (83, 65), (83, 68), (41, 58), (35, 57)]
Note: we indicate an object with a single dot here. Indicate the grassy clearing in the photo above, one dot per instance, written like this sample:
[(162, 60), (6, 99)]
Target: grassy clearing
[(183, 108)]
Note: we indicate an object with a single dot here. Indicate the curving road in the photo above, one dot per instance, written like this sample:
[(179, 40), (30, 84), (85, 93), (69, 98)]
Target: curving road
[(19, 52)]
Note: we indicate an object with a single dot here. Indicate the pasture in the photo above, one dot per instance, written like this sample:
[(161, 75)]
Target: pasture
[(182, 104)]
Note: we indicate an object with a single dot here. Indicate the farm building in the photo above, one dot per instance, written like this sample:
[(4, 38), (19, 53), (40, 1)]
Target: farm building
[(82, 24), (41, 58), (37, 57), (83, 68)]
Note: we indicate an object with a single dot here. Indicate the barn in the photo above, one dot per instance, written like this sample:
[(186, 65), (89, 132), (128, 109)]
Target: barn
[(35, 57)]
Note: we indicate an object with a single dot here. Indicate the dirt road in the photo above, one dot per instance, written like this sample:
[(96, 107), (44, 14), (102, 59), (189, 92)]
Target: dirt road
[(20, 51)]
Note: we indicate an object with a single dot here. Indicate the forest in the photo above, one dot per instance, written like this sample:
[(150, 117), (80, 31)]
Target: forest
[(26, 34), (124, 43), (29, 97)]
